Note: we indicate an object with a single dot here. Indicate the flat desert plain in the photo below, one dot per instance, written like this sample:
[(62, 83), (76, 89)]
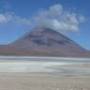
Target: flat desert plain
[(38, 74)]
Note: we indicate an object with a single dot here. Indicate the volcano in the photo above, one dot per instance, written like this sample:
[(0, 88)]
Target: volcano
[(44, 42)]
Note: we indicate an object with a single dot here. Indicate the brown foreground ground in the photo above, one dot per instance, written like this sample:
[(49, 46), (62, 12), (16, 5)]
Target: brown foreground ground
[(42, 81)]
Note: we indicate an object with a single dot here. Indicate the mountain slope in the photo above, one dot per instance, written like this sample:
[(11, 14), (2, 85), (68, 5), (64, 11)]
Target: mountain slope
[(45, 42)]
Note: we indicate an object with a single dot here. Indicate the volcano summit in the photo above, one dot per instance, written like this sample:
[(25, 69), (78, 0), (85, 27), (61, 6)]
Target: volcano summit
[(44, 42)]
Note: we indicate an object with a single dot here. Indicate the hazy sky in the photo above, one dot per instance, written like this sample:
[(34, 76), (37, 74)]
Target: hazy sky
[(70, 17)]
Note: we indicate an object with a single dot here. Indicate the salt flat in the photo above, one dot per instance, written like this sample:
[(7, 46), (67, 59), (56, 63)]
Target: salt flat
[(43, 73), (55, 65)]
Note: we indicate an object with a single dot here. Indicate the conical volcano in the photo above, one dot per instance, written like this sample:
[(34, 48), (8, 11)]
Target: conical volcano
[(46, 42)]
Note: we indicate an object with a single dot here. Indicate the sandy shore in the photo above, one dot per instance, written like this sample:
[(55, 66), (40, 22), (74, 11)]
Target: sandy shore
[(42, 81)]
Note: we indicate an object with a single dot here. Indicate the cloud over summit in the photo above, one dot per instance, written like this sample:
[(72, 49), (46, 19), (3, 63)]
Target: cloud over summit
[(54, 17), (59, 19)]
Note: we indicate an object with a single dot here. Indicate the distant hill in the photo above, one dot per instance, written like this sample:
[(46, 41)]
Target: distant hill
[(44, 42)]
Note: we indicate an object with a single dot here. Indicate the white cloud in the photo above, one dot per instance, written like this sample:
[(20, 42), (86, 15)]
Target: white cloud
[(13, 25), (5, 18), (57, 18)]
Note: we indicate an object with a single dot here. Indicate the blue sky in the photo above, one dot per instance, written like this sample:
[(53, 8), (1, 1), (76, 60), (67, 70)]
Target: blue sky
[(19, 16)]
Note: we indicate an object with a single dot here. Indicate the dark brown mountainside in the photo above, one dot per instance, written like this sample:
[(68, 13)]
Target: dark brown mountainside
[(44, 42)]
